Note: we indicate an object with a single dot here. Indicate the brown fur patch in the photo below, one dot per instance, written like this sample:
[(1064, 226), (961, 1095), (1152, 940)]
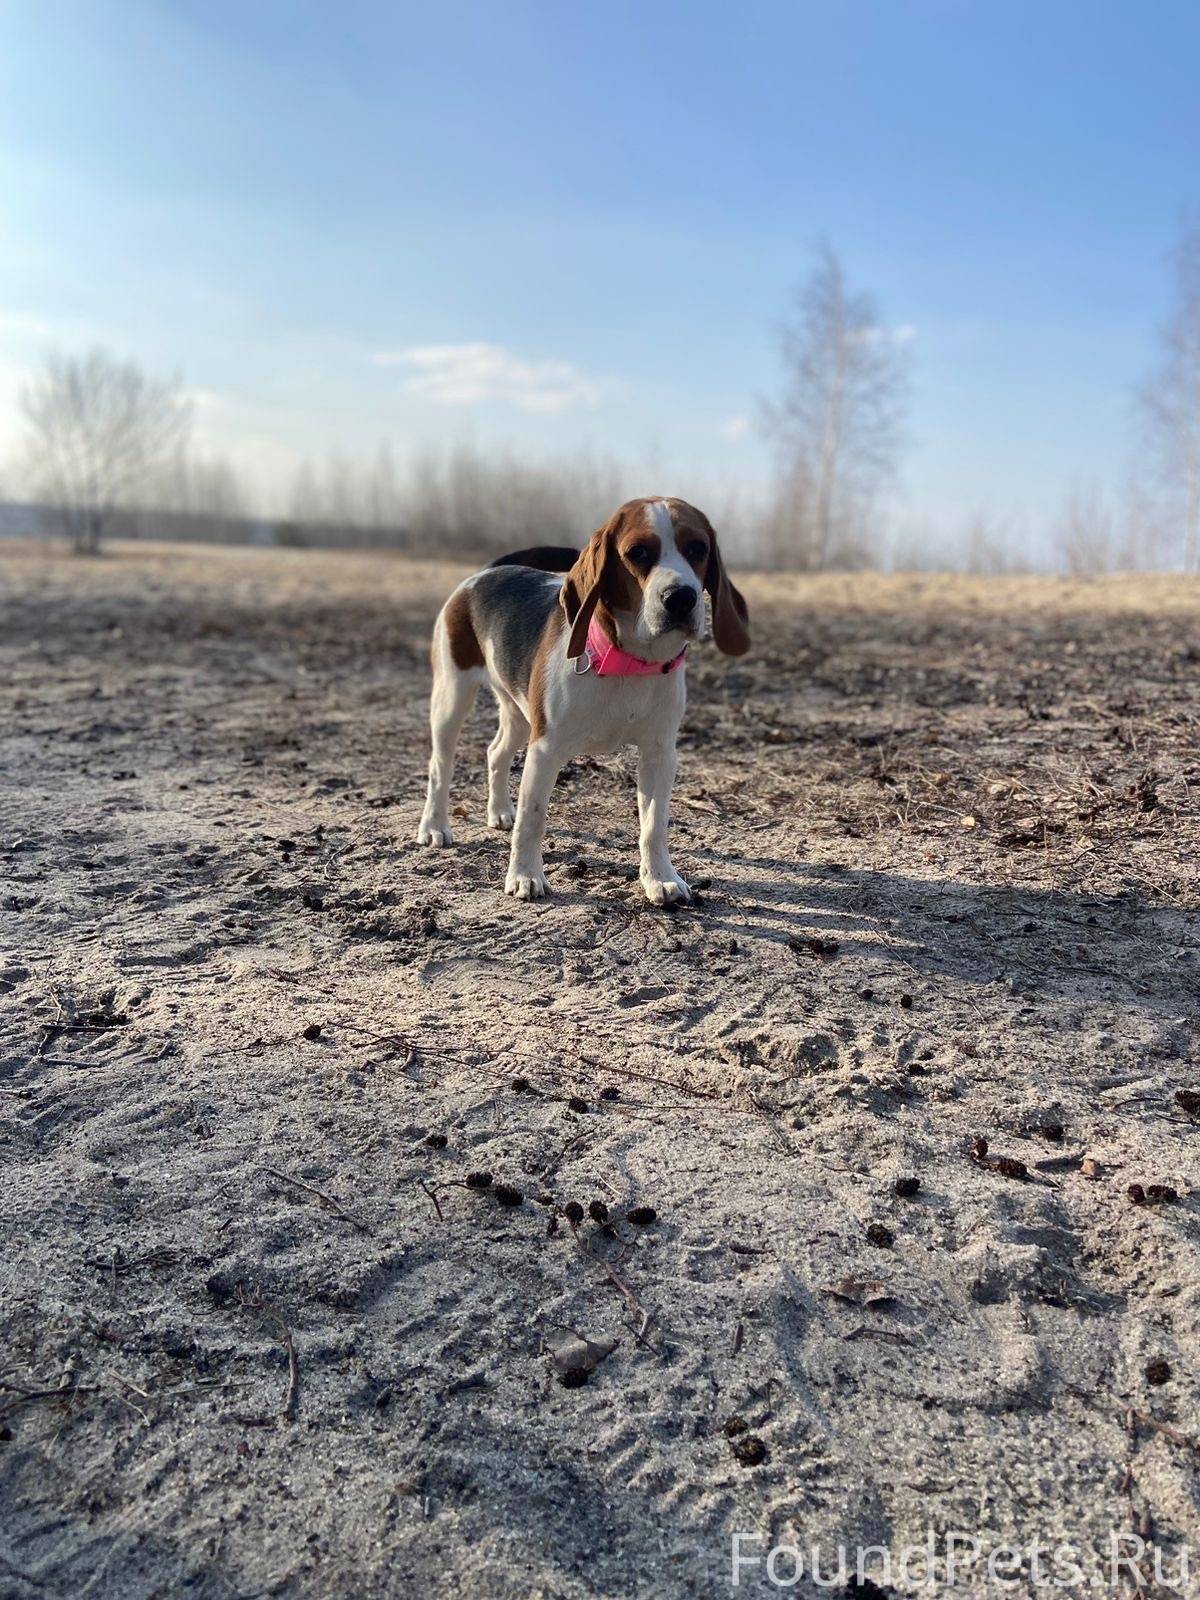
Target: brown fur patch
[(465, 649), (555, 623), (692, 526), (602, 580)]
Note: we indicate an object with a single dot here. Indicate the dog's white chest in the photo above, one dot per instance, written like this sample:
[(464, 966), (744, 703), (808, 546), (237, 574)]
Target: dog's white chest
[(618, 711)]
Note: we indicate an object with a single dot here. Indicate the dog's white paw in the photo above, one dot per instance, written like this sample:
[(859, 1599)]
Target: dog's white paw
[(435, 834), (526, 885), (667, 891), (502, 819)]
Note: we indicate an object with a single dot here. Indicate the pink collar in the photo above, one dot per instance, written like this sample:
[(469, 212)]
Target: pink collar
[(608, 660)]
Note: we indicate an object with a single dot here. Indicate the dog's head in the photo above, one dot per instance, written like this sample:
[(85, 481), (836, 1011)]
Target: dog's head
[(646, 571)]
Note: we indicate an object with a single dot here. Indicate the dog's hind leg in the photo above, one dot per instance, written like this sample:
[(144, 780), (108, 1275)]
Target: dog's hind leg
[(511, 735), (454, 691)]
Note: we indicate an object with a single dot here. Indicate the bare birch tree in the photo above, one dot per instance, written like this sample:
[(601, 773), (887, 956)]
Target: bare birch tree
[(1171, 404), (1085, 539), (98, 432), (838, 425)]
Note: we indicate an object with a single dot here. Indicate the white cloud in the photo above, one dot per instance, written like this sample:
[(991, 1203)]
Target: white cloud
[(736, 427), (23, 325), (903, 333), (471, 374)]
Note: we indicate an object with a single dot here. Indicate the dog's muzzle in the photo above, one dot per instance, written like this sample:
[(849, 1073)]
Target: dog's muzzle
[(680, 602)]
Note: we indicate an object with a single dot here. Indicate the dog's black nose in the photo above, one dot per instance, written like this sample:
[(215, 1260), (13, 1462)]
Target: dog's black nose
[(680, 602)]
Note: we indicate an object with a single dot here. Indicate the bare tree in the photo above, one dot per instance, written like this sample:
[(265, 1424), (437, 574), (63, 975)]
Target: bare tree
[(838, 425), (203, 486), (98, 432), (1171, 404), (1085, 537), (992, 545)]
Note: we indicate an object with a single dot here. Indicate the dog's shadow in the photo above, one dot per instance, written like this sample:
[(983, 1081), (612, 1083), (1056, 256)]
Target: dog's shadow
[(1051, 940)]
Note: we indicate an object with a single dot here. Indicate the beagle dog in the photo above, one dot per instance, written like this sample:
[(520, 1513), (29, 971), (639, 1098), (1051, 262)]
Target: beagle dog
[(581, 664)]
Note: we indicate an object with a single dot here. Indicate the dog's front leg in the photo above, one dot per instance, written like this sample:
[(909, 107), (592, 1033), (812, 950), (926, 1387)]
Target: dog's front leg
[(656, 777), (526, 874)]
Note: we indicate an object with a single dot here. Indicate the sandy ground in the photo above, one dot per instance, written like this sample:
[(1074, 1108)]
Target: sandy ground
[(255, 1039)]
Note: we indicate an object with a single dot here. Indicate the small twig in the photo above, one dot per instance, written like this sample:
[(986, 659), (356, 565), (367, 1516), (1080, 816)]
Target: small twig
[(641, 1334), (864, 1332), (23, 1396), (699, 805), (1144, 1420), (249, 1045), (782, 1141), (320, 1194), (265, 1309), (556, 1161), (432, 1193)]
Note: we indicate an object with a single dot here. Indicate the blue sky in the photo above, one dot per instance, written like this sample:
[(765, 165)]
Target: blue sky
[(586, 219)]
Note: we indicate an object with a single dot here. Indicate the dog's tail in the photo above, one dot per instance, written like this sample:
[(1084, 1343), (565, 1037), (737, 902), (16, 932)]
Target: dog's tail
[(545, 557)]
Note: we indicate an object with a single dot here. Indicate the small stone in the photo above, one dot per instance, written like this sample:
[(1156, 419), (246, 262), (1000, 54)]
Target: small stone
[(748, 1450), (733, 1426), (221, 1287), (1008, 1166), (878, 1234), (1090, 1168)]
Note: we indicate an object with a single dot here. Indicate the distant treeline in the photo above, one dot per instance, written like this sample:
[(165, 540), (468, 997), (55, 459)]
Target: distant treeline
[(109, 451)]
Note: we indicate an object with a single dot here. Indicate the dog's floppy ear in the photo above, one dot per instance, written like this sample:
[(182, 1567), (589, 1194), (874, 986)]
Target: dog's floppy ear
[(581, 589), (730, 618)]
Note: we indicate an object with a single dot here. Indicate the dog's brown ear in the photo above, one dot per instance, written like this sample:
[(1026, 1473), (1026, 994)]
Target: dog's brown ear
[(730, 618), (581, 589)]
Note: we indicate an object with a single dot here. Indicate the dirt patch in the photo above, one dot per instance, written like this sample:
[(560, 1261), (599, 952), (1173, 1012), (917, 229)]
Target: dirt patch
[(261, 1053)]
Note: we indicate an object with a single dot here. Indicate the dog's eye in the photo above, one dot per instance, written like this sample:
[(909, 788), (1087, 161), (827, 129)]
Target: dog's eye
[(640, 554), (694, 551)]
